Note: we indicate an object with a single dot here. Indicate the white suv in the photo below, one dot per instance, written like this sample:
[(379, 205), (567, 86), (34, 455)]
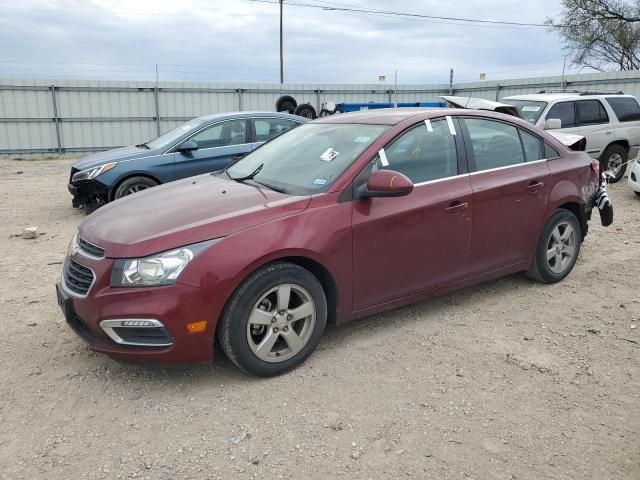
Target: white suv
[(609, 122)]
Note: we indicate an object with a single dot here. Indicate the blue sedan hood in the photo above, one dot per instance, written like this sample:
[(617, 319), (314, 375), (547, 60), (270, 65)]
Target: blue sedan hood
[(117, 155)]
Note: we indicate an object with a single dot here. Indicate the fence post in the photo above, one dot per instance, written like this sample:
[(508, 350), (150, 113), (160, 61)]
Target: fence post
[(389, 95), (56, 119), (239, 90), (156, 94), (497, 91), (318, 100)]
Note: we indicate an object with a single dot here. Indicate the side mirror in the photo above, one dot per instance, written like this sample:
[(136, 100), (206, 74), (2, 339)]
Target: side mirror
[(552, 124), (188, 146), (386, 183)]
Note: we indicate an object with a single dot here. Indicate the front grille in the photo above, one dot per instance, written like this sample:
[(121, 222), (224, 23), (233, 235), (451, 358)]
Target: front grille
[(77, 278), (144, 336), (90, 249)]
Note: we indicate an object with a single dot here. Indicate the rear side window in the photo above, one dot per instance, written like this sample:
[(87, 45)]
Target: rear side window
[(550, 152), (532, 146), (625, 108), (564, 111), (423, 153), (591, 112), (494, 144), (267, 128)]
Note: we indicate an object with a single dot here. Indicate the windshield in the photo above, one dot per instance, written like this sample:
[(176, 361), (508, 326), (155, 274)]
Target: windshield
[(168, 138), (529, 109), (308, 159)]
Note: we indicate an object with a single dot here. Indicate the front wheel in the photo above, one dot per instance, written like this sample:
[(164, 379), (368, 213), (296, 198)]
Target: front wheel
[(275, 319), (133, 185), (558, 248), (614, 159)]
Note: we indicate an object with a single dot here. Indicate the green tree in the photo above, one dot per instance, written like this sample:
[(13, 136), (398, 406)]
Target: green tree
[(601, 34)]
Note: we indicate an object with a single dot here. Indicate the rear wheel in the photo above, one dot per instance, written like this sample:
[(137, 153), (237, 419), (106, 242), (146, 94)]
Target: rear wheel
[(133, 185), (615, 159), (274, 321), (558, 248)]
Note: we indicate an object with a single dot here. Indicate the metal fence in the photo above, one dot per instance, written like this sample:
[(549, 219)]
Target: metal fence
[(65, 116)]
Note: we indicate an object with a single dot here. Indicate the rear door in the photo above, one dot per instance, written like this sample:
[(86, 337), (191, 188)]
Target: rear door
[(218, 145), (594, 125), (414, 243), (510, 183)]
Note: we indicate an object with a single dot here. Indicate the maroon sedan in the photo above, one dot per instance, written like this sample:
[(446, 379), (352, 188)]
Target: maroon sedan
[(338, 219)]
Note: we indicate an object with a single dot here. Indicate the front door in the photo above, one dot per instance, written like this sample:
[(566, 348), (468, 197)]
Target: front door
[(510, 182), (218, 146), (410, 244)]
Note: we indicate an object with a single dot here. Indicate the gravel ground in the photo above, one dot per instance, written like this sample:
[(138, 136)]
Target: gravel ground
[(507, 380)]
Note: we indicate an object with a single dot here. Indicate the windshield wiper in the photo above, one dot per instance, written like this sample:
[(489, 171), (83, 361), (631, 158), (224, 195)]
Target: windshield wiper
[(271, 187), (143, 145), (247, 177)]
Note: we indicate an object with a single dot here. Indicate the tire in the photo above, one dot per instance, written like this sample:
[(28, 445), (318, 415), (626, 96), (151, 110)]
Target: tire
[(286, 103), (241, 338), (552, 270), (306, 111), (615, 155), (133, 185)]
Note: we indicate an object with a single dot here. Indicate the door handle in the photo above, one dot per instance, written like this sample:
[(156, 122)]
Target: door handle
[(534, 187), (456, 207)]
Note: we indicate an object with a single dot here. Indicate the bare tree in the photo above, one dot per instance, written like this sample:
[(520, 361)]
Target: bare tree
[(601, 34)]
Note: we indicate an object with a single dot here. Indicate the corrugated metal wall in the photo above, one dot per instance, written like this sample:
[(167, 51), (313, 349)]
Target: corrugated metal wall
[(83, 115)]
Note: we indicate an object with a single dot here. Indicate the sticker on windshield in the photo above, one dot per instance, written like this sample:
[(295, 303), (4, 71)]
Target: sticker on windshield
[(427, 122), (329, 155), (383, 158), (361, 139), (320, 181), (530, 108)]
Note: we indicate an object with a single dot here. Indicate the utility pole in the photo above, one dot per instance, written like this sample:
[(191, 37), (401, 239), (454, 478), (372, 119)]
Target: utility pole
[(281, 57)]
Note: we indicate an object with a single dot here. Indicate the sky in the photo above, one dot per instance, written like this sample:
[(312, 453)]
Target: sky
[(238, 41)]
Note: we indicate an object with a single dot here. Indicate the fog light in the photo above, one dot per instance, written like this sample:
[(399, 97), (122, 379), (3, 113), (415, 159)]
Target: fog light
[(137, 323), (197, 327)]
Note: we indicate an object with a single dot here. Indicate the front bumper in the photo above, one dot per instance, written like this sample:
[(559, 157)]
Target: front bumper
[(88, 192), (171, 306)]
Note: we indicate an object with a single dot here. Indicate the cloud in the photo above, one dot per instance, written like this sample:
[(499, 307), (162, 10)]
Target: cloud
[(238, 40)]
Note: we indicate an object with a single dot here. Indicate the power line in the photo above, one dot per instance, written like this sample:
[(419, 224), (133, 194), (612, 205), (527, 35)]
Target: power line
[(331, 7)]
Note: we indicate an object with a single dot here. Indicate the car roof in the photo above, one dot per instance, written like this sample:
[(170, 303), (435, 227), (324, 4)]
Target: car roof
[(550, 97), (223, 116), (386, 116)]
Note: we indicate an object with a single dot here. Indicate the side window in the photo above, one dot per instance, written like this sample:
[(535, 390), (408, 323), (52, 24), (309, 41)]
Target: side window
[(550, 152), (423, 154), (565, 112), (591, 112), (231, 132), (494, 144), (532, 146), (267, 128), (625, 108)]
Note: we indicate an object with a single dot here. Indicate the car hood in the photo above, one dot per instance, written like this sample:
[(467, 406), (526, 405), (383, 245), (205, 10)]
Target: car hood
[(184, 212), (116, 155)]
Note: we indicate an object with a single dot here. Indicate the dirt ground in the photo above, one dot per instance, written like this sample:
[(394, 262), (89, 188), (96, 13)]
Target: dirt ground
[(507, 380)]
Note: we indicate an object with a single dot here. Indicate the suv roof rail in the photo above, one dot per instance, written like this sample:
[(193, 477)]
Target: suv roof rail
[(584, 92)]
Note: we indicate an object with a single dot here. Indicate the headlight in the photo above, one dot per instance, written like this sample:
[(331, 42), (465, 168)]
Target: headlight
[(71, 249), (91, 173), (159, 269)]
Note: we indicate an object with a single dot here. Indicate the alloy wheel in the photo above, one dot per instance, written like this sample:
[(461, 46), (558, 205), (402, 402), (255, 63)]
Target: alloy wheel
[(281, 323), (561, 247), (615, 163)]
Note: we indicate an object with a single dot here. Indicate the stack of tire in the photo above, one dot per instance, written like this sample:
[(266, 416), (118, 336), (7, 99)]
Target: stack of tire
[(286, 103)]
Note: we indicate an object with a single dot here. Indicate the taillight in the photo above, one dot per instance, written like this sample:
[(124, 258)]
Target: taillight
[(595, 166)]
